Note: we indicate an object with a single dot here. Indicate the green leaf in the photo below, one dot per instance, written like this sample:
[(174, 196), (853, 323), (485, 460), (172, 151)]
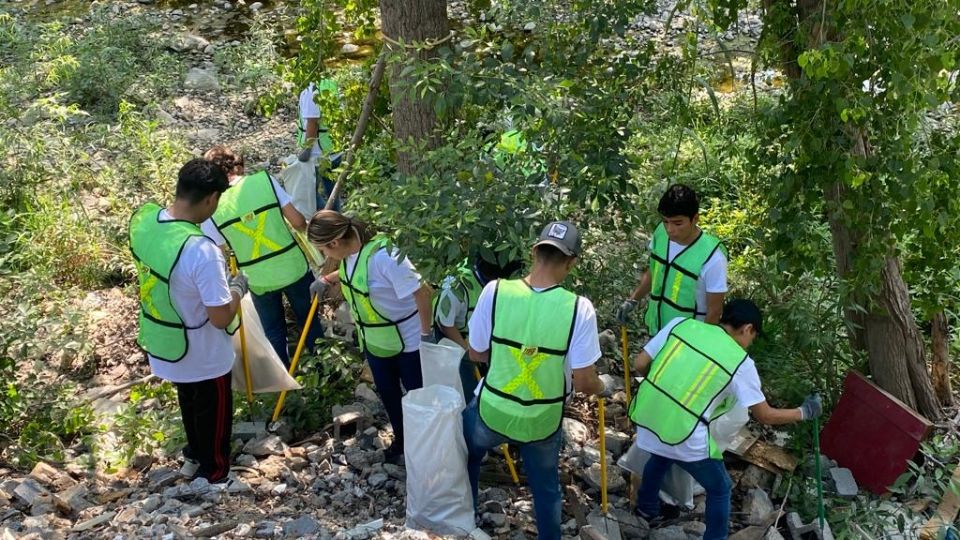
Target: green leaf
[(506, 51)]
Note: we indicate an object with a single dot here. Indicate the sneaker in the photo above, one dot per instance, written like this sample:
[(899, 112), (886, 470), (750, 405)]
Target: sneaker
[(189, 468), (668, 514)]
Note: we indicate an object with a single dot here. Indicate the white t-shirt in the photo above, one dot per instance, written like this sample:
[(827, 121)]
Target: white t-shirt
[(199, 280), (584, 348), (451, 311), (713, 275), (745, 388), (309, 109), (392, 284), (213, 233)]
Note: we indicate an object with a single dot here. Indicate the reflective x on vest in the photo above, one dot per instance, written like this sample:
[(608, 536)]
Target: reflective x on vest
[(257, 236), (527, 369)]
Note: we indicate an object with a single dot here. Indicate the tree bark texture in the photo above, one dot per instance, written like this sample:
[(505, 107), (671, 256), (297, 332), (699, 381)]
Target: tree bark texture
[(940, 365), (408, 21)]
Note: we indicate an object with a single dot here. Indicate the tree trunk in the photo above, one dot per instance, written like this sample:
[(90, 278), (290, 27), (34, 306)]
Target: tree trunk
[(888, 331), (940, 366), (408, 21)]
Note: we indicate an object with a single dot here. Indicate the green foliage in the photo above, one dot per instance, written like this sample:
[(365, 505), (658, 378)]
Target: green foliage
[(256, 63), (147, 423), (100, 66), (328, 379), (40, 420), (854, 87)]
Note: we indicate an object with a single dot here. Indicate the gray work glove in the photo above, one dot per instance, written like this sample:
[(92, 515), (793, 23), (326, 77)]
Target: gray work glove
[(319, 287), (812, 407), (304, 155), (429, 337), (239, 284), (625, 309)]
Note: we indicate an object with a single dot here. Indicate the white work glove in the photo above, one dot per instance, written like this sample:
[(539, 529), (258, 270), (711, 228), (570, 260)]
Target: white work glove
[(625, 309), (239, 284), (319, 287)]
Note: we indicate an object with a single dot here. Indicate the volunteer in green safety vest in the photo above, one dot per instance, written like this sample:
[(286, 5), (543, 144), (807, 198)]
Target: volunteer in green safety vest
[(541, 343), (186, 303), (251, 220), (693, 373), (687, 275), (456, 301), (389, 303), (313, 137)]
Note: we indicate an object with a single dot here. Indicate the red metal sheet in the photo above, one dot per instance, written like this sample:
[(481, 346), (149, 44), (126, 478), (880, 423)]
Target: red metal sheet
[(872, 433)]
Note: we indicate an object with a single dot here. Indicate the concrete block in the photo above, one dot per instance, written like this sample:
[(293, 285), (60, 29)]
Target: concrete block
[(843, 480), (798, 529), (348, 424), (249, 430)]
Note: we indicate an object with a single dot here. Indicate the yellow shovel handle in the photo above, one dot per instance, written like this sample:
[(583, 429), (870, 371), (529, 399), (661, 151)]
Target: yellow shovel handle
[(626, 362), (603, 456), (243, 336), (296, 354), (505, 448)]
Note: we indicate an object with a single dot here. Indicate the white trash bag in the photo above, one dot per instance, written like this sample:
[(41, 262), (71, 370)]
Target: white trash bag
[(435, 454), (440, 364), (678, 487), (267, 372), (299, 180)]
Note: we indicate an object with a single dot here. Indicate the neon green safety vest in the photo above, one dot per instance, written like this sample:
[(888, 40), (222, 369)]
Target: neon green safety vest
[(323, 134), (469, 286), (673, 285), (251, 221), (695, 365), (523, 393), (378, 334), (156, 247)]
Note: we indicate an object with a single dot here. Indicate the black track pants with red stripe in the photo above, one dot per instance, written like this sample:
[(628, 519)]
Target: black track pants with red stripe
[(207, 411)]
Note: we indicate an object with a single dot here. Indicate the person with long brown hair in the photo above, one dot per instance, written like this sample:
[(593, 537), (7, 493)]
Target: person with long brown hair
[(389, 303), (250, 221)]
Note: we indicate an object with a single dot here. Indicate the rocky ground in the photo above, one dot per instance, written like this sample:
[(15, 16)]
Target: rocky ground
[(335, 484)]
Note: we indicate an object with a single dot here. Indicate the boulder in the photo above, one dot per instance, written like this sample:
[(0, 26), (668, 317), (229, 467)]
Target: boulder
[(267, 445), (575, 431), (202, 80)]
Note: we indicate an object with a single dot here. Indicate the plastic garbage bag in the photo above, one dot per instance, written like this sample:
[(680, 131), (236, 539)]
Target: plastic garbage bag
[(440, 364), (299, 180), (725, 429), (679, 488), (267, 372), (435, 454)]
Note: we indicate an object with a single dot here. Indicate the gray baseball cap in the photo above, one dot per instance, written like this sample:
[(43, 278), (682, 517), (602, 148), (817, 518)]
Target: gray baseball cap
[(562, 235)]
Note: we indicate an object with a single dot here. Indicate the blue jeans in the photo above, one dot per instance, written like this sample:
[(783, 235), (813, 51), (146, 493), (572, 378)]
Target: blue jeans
[(710, 473), (541, 462), (270, 309), (327, 183), (388, 375)]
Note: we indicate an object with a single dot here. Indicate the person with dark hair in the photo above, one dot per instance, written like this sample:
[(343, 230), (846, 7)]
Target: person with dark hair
[(541, 342), (694, 372), (687, 275), (389, 303), (186, 304), (250, 221), (455, 304)]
